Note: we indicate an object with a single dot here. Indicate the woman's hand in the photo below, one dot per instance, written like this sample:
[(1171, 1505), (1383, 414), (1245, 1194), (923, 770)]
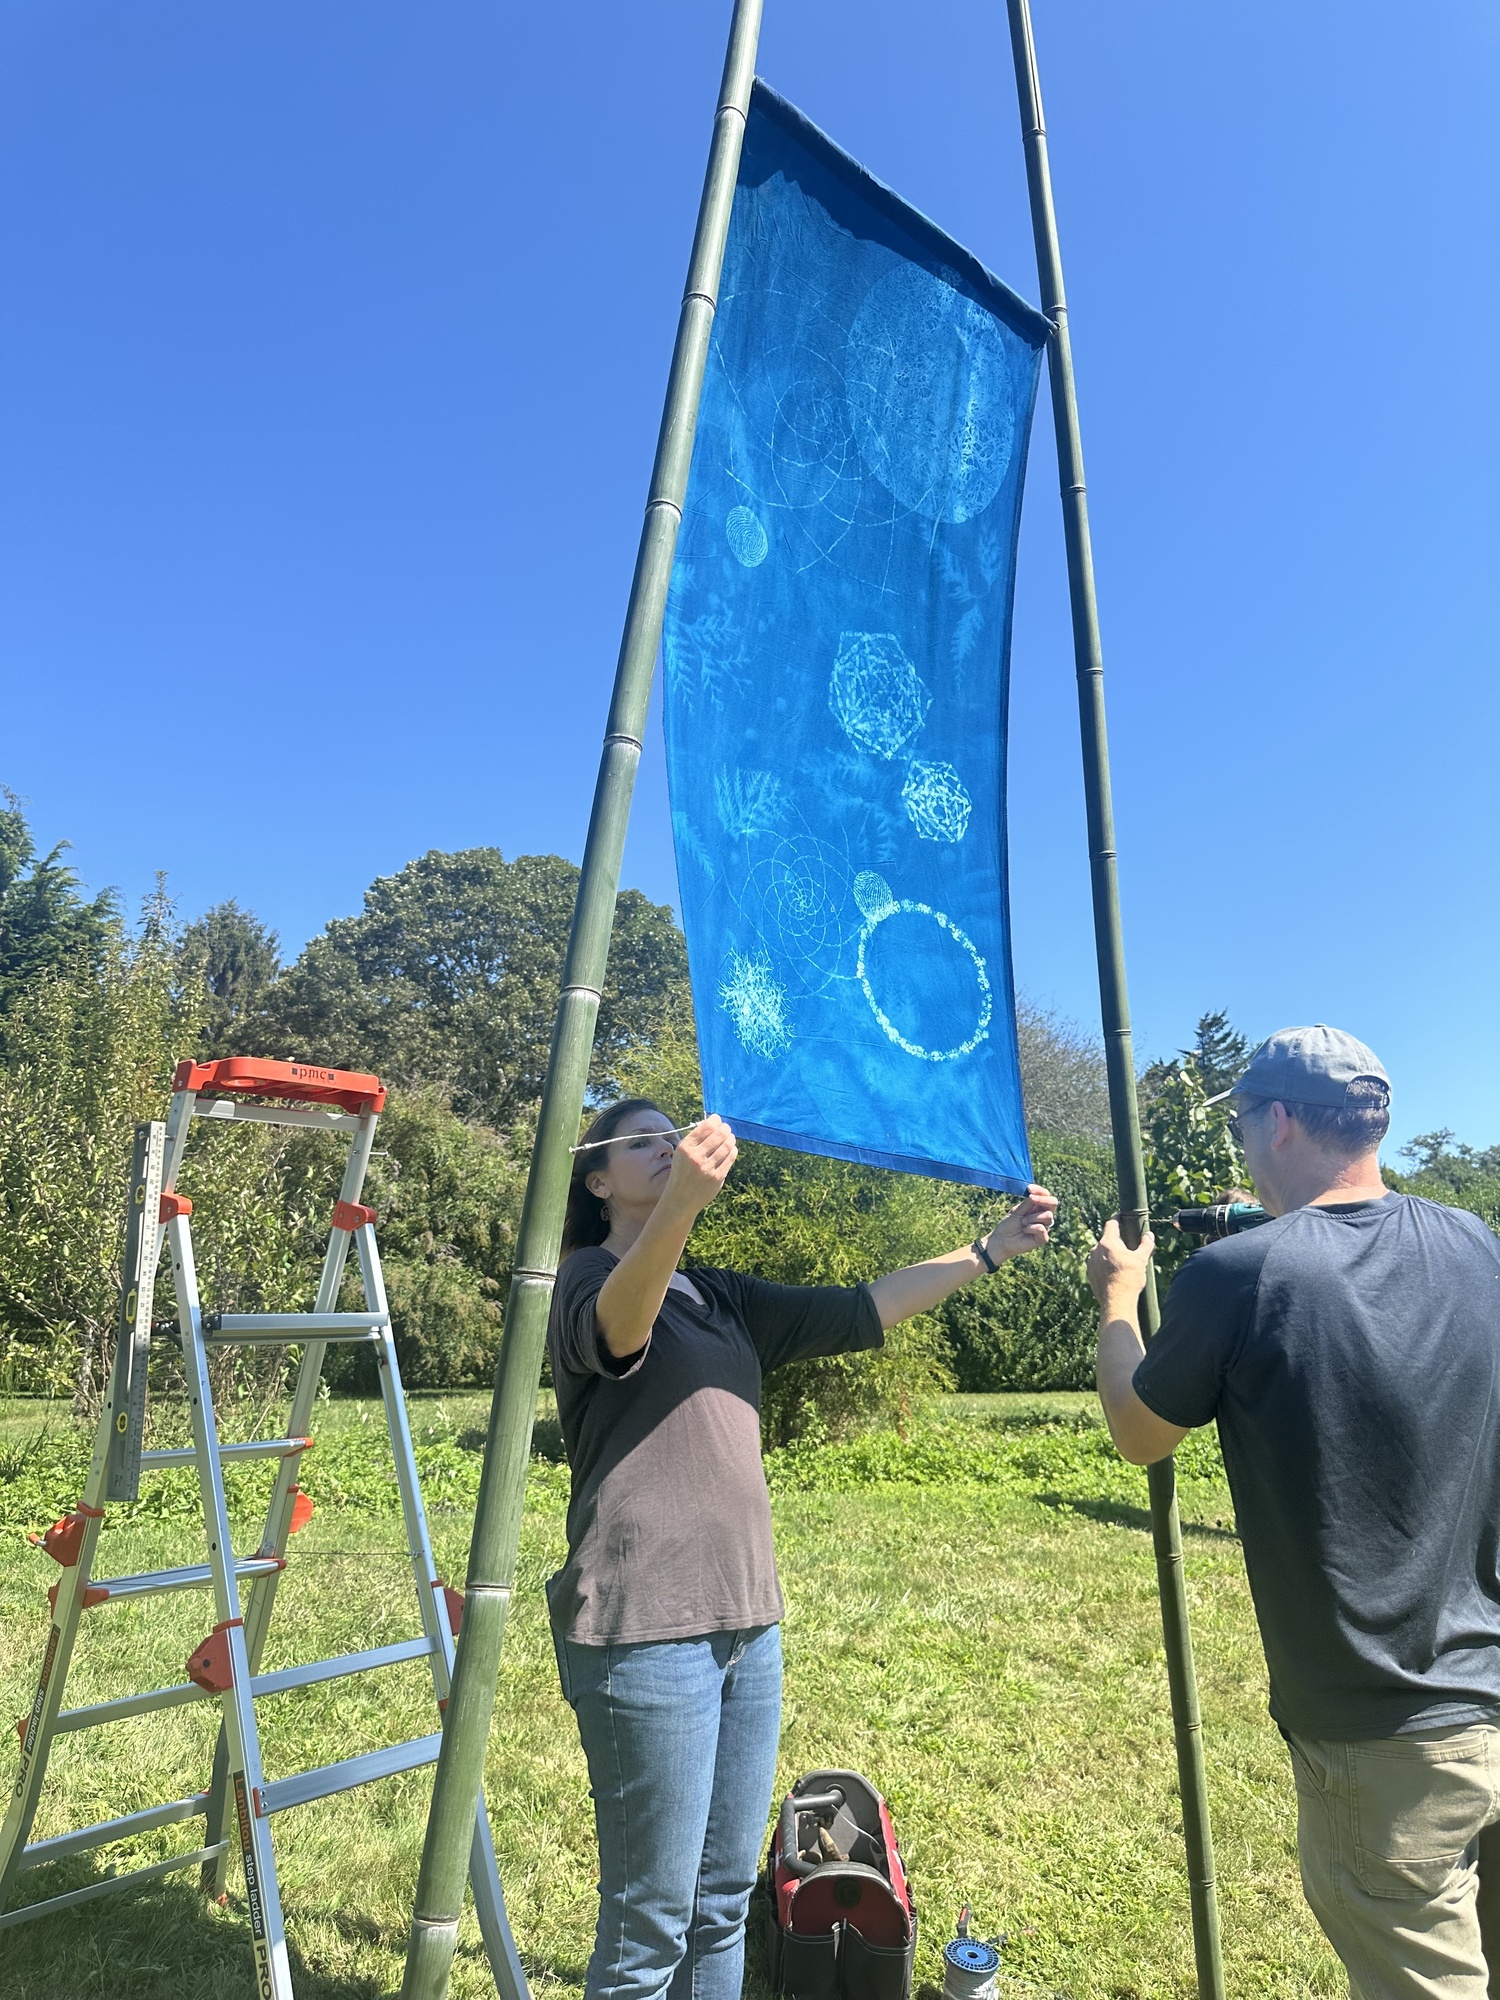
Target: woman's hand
[(919, 1287), (631, 1296), (701, 1165), (1026, 1227)]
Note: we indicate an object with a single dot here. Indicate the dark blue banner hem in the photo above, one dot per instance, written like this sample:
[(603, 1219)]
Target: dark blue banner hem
[(865, 1156), (1017, 312)]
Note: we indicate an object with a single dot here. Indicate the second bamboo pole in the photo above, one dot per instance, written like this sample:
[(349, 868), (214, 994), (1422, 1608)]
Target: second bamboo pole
[(1130, 1166)]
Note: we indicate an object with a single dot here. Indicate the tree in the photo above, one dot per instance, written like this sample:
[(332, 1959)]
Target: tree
[(1191, 1157), (45, 923), (1219, 1052), (234, 958), (450, 976), (90, 1052), (1448, 1171), (1063, 1077), (449, 1200), (1035, 1325)]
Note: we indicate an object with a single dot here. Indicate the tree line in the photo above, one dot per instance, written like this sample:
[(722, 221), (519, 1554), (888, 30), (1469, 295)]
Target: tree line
[(445, 985)]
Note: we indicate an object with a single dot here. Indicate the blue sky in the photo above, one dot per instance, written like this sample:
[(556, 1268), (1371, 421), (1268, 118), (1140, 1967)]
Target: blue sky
[(332, 343)]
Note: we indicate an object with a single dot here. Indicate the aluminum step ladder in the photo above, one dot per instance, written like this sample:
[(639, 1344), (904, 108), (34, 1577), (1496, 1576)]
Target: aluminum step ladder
[(238, 1803)]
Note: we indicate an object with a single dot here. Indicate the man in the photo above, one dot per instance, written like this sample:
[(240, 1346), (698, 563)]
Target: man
[(1350, 1352)]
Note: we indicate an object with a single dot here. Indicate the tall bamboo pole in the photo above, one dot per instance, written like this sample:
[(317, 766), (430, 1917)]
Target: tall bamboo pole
[(497, 1521), (1130, 1166)]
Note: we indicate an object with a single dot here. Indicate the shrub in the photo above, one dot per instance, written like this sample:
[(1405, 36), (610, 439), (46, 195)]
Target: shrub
[(1034, 1326), (448, 1195)]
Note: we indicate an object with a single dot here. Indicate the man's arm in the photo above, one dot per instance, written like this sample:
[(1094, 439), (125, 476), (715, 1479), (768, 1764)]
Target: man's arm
[(1118, 1277)]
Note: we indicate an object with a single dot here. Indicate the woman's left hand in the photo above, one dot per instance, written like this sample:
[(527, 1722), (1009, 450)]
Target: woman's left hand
[(1026, 1227)]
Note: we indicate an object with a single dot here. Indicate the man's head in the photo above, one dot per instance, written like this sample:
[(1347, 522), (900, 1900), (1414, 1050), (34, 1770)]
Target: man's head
[(1310, 1112)]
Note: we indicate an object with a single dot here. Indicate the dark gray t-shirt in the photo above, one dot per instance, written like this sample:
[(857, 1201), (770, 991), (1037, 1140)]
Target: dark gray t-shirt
[(669, 1525), (1352, 1358)]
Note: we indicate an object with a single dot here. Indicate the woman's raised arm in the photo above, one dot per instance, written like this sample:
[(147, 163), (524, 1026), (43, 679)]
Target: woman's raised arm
[(918, 1286), (631, 1296)]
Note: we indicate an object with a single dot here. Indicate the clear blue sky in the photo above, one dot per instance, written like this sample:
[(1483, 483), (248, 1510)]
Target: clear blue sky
[(332, 343)]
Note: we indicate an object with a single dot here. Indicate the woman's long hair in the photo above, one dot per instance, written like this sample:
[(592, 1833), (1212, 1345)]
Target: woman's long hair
[(585, 1222)]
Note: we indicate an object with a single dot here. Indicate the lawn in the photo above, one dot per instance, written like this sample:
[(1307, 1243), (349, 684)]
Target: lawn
[(972, 1622)]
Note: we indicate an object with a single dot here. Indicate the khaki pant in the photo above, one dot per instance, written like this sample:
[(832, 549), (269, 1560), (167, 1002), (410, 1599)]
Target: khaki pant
[(1392, 1835)]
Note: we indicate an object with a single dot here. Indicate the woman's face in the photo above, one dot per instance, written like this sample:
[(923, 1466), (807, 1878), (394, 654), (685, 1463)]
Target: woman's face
[(636, 1168)]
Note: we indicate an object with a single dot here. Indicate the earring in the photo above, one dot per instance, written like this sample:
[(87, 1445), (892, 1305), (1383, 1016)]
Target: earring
[(604, 1210)]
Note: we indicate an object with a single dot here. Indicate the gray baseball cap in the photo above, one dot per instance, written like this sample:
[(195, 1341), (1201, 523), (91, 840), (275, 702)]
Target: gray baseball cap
[(1308, 1066)]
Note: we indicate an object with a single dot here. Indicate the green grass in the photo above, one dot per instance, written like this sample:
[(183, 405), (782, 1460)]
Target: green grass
[(972, 1621)]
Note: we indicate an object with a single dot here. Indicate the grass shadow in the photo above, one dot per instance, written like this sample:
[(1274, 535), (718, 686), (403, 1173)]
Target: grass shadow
[(165, 1941), (1118, 1514), (162, 1941), (546, 1440)]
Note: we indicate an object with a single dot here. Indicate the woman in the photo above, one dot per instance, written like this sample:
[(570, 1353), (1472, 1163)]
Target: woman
[(666, 1615)]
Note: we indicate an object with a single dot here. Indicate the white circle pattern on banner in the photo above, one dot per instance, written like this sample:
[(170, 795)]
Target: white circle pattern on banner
[(867, 889)]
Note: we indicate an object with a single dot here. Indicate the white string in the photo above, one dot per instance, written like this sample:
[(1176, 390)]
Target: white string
[(675, 1132)]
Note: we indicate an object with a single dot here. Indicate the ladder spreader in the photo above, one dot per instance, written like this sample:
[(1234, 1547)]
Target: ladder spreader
[(238, 1802)]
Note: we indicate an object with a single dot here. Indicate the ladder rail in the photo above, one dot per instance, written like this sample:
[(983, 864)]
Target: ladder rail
[(36, 1742), (69, 1602), (238, 1730), (484, 1873), (413, 1514), (179, 1125), (261, 1597)]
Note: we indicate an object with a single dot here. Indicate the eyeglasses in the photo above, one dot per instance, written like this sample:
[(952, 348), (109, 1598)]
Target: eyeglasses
[(1235, 1123)]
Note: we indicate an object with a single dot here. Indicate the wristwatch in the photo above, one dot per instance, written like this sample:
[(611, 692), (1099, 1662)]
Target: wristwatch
[(982, 1253)]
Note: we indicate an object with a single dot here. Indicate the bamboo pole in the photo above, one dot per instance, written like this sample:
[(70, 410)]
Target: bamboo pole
[(1130, 1167), (497, 1521)]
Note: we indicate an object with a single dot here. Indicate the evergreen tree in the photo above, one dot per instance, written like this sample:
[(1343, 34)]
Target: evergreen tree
[(1220, 1052), (46, 925), (235, 958)]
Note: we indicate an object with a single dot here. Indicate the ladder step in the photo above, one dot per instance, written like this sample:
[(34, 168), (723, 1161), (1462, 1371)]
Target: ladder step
[(40, 1852), (260, 1448), (330, 1778), (101, 1712), (267, 1328), (271, 1114), (335, 1669), (177, 1579), (194, 1858)]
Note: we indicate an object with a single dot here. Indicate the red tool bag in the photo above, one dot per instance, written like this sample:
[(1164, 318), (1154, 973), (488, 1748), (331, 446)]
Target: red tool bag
[(842, 1926)]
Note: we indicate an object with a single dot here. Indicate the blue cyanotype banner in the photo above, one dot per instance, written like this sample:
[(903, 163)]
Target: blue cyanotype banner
[(837, 651)]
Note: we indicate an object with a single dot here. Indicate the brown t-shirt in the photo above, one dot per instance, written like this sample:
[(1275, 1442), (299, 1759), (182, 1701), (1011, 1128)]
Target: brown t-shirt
[(669, 1526)]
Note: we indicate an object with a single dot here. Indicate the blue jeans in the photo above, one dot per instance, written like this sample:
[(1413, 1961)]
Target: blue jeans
[(681, 1741)]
